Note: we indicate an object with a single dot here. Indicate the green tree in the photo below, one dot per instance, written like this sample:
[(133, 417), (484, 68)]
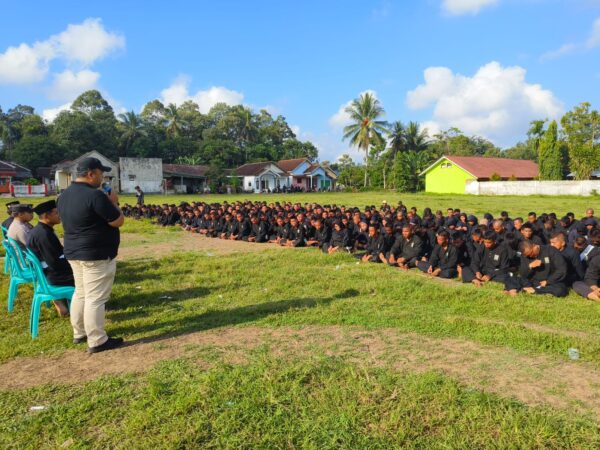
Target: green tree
[(174, 121), (582, 130), (365, 130), (37, 151), (131, 128), (550, 158), (417, 139)]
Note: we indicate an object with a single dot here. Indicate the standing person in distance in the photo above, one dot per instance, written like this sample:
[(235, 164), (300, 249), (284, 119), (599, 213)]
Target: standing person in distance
[(91, 220), (139, 195)]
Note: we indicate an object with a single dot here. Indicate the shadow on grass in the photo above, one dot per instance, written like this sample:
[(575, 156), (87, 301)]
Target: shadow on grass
[(228, 317)]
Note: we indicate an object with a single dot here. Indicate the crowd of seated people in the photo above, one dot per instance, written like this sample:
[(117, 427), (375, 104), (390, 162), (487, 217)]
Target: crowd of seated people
[(544, 254)]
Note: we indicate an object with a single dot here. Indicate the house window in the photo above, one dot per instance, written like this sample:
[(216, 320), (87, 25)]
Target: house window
[(131, 177), (249, 183), (446, 165)]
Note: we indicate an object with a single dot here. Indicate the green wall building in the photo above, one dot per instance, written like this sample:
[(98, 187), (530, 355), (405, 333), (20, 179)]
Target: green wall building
[(450, 174)]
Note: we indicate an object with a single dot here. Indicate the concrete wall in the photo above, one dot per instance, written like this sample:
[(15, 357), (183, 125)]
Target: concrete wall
[(143, 172), (584, 188)]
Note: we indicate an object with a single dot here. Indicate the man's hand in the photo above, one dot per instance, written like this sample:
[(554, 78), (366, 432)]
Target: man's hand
[(543, 283), (485, 278), (112, 195), (536, 263)]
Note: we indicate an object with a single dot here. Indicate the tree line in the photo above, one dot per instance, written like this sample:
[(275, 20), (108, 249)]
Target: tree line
[(396, 153), (225, 137)]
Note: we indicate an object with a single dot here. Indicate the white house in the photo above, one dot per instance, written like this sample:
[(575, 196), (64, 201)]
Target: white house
[(308, 176), (259, 177), (66, 171)]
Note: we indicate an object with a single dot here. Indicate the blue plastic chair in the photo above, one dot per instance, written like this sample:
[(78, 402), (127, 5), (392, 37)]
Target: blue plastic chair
[(6, 255), (20, 273), (43, 292)]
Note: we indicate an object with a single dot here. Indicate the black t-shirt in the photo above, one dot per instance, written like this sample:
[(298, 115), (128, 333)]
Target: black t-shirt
[(85, 213)]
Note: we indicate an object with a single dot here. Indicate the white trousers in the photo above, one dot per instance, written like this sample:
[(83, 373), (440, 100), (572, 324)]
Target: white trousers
[(93, 285)]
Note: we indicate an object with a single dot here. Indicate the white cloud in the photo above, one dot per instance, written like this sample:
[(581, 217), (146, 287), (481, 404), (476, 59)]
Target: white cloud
[(25, 64), (178, 93), (50, 114), (594, 39), (460, 7), (68, 84), (86, 42), (341, 118), (559, 52), (81, 43), (496, 103)]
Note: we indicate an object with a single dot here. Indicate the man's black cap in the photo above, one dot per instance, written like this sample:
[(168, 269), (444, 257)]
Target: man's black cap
[(91, 164), (45, 207), (9, 204), (22, 209)]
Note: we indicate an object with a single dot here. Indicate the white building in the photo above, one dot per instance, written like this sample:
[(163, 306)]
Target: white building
[(147, 173), (263, 176), (66, 171)]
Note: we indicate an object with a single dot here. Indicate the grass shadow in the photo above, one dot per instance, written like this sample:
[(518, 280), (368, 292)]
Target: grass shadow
[(229, 317)]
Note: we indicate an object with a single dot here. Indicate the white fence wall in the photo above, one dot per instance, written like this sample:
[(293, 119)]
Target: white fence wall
[(24, 190), (143, 172), (583, 188)]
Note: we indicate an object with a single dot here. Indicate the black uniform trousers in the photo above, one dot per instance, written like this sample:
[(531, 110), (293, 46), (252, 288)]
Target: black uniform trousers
[(518, 284)]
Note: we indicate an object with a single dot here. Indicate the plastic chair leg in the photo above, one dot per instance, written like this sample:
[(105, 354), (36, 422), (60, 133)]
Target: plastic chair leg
[(6, 264), (12, 294), (36, 307)]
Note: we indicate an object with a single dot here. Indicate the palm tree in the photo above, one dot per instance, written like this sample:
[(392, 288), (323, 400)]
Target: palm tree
[(417, 139), (397, 138), (536, 132), (133, 128), (174, 121), (365, 129)]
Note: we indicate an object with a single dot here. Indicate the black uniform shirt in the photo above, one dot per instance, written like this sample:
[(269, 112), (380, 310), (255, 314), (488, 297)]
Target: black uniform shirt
[(45, 244)]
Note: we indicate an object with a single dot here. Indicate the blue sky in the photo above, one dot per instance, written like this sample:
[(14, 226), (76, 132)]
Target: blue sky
[(485, 66)]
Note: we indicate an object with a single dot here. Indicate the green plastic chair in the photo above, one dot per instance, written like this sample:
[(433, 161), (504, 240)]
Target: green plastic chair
[(6, 255), (20, 273), (43, 292)]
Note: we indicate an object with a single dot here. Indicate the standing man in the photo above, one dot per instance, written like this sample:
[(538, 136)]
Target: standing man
[(91, 221), (140, 195)]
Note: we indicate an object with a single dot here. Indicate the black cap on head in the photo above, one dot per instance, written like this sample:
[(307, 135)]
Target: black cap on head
[(22, 209), (91, 164), (15, 202), (45, 207)]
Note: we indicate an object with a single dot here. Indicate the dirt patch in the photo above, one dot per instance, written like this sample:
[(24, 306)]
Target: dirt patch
[(534, 380), (136, 245)]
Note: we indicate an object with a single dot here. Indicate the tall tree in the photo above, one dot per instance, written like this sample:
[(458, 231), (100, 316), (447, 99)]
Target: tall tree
[(131, 128), (417, 139), (365, 130), (582, 129), (173, 120), (550, 157)]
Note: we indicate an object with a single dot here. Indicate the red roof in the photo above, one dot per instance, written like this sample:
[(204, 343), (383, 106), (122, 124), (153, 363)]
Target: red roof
[(290, 164), (480, 167)]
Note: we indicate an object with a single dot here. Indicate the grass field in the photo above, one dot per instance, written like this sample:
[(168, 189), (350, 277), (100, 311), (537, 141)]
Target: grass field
[(295, 349)]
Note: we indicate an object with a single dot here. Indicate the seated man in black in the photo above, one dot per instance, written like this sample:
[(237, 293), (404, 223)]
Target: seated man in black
[(590, 286), (321, 236), (407, 249), (493, 264), (44, 243), (340, 240), (443, 260), (295, 236), (542, 271), (259, 230), (11, 214), (575, 268), (375, 245)]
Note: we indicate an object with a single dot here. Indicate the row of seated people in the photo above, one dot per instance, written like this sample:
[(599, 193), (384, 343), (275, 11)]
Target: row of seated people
[(539, 255)]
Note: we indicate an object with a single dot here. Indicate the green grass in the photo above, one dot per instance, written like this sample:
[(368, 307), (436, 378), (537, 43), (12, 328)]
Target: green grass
[(319, 403), (304, 286)]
